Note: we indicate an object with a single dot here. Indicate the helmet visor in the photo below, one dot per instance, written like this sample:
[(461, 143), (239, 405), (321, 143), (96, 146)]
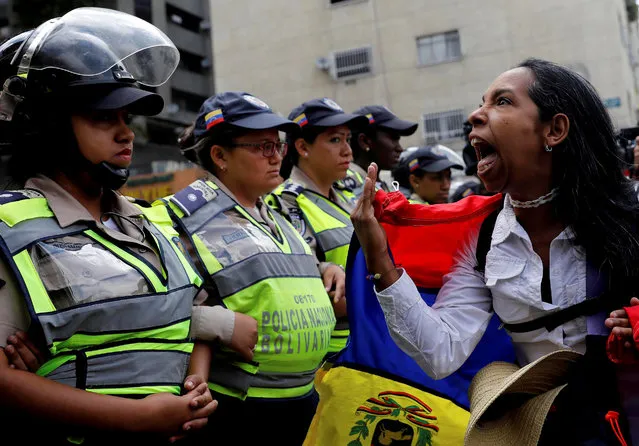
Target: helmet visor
[(91, 41)]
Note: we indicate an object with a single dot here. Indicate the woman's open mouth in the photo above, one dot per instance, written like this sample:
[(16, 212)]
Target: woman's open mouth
[(486, 154)]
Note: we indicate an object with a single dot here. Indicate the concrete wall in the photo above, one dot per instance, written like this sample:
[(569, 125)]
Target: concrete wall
[(270, 47)]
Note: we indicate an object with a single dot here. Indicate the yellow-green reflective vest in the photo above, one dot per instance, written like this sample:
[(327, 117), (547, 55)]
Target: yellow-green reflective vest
[(112, 323), (352, 186), (331, 225), (353, 183), (279, 286)]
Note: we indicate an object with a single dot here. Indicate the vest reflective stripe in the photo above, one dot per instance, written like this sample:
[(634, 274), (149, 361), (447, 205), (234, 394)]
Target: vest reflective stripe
[(107, 370), (279, 287), (138, 390), (331, 226), (31, 232), (122, 345), (32, 282), (75, 329), (241, 275), (333, 231), (156, 282), (211, 264), (334, 238), (227, 375), (164, 224), (22, 210)]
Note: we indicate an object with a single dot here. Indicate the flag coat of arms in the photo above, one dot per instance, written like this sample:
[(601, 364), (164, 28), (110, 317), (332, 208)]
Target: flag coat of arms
[(375, 394)]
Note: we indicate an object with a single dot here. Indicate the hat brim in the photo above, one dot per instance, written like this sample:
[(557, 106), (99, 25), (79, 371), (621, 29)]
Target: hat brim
[(264, 121), (440, 165), (542, 379), (337, 119), (135, 100), (404, 128), (521, 426)]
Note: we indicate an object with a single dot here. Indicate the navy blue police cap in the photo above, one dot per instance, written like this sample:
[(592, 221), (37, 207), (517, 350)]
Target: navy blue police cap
[(239, 109), (324, 112), (380, 116)]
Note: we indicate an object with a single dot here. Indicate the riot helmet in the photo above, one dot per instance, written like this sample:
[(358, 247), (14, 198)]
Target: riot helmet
[(89, 59)]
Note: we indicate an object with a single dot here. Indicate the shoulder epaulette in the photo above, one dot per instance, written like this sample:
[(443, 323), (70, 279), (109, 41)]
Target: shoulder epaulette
[(9, 196), (292, 188), (194, 196)]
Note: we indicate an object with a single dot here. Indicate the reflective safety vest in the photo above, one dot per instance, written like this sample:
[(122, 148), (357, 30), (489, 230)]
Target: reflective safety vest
[(278, 284), (353, 182), (331, 225), (352, 185), (112, 323)]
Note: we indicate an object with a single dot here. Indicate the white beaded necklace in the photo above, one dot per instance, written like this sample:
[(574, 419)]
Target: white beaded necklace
[(550, 196)]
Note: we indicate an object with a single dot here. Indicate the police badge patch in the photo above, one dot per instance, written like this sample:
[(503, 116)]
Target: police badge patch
[(297, 220), (256, 101), (332, 104), (350, 183)]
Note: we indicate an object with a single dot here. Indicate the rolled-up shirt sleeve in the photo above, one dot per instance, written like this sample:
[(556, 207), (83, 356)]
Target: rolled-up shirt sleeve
[(212, 323), (441, 338)]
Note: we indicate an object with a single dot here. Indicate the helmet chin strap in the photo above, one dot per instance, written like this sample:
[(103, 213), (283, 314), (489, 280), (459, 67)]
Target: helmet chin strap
[(109, 176), (102, 174)]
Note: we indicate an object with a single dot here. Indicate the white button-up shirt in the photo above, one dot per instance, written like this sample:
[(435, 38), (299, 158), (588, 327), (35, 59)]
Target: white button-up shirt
[(441, 338)]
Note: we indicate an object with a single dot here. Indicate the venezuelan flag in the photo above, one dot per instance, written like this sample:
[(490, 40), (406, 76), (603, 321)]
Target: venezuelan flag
[(413, 164), (213, 118), (375, 394), (301, 120), (371, 119)]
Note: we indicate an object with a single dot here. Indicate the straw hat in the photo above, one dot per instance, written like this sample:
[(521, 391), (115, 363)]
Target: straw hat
[(508, 404)]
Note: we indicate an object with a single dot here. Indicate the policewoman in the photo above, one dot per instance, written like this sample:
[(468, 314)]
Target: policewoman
[(256, 264), (377, 143), (320, 155), (96, 279), (427, 174)]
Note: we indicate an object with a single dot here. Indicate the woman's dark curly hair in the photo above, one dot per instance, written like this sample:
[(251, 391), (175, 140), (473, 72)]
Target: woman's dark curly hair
[(595, 199)]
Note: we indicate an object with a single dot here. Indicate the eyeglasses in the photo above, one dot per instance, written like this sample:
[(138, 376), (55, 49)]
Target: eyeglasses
[(268, 148)]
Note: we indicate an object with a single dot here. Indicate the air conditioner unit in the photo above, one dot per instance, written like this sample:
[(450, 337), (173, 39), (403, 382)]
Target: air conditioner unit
[(351, 63)]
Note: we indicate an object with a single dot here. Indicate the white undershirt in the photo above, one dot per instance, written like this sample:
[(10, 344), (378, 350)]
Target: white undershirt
[(111, 224)]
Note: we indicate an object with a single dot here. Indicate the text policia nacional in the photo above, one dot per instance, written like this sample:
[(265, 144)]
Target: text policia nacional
[(297, 330)]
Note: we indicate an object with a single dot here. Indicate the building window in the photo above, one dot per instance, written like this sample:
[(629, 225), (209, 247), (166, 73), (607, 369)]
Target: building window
[(438, 48), (342, 2), (193, 62), (183, 18), (347, 64), (443, 125), (187, 101), (142, 10)]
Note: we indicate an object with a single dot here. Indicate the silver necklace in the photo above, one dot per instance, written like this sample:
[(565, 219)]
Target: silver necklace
[(550, 196)]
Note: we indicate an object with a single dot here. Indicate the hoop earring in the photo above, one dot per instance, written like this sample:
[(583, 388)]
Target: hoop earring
[(547, 148)]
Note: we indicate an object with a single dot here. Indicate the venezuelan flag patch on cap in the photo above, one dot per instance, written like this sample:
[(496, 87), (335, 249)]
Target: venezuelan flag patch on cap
[(213, 118), (301, 120), (413, 164), (371, 120)]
